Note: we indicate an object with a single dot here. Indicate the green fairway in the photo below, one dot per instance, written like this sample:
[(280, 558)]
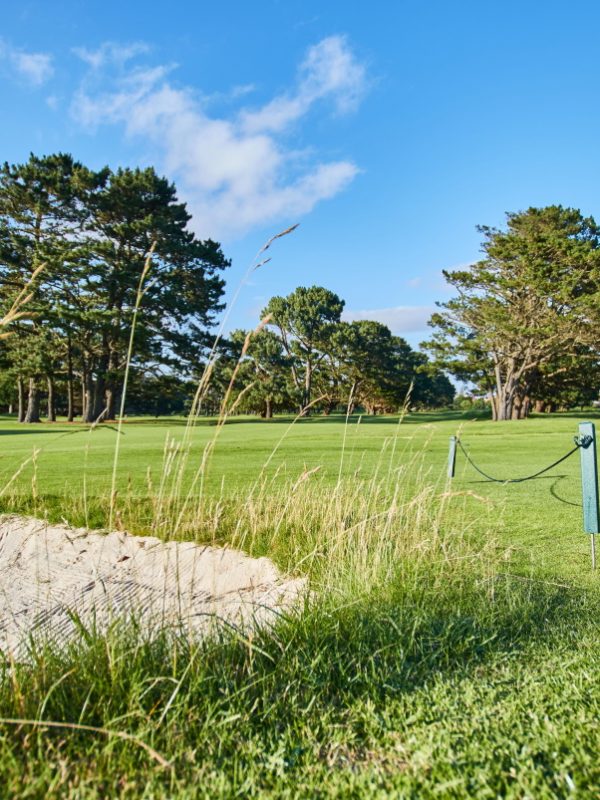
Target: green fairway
[(541, 519)]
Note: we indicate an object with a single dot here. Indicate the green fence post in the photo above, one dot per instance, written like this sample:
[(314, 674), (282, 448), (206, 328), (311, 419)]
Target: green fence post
[(452, 457), (589, 483)]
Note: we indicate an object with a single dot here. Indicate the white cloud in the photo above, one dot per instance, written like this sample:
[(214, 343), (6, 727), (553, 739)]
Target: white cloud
[(34, 68), (235, 172), (329, 71), (110, 53), (399, 319)]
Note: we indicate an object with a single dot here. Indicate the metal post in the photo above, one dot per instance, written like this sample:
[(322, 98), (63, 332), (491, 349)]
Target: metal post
[(589, 483), (452, 457)]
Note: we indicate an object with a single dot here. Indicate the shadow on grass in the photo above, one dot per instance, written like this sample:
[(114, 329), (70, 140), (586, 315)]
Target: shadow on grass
[(585, 413), (507, 481), (310, 669), (556, 496), (49, 429), (24, 431), (414, 418)]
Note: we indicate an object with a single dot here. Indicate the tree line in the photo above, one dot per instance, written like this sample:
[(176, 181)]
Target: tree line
[(75, 242), (523, 328), (305, 357), (79, 241)]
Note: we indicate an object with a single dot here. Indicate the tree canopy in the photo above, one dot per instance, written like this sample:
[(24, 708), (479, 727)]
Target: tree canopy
[(524, 320), (87, 247), (92, 233)]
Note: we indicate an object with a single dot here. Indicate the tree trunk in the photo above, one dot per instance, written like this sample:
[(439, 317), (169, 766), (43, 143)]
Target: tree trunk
[(506, 395), (99, 399), (539, 406), (83, 397), (51, 404), (33, 403), (21, 394), (505, 402), (111, 404), (268, 408), (307, 389), (88, 399), (113, 388), (70, 391), (516, 408)]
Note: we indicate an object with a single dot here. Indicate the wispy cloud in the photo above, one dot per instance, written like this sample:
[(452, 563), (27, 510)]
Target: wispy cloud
[(329, 71), (110, 53), (399, 319), (34, 68), (236, 171)]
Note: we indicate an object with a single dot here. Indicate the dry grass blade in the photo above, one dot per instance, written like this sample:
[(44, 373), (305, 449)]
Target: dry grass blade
[(213, 356), (287, 231), (224, 413), (75, 726), (138, 301), (15, 312), (260, 264), (305, 476), (466, 493)]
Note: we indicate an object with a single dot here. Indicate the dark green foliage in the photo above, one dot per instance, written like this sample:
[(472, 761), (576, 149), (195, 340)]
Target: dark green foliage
[(91, 234), (526, 315), (348, 365), (306, 320)]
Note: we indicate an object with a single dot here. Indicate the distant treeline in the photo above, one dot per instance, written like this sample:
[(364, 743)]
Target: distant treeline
[(305, 357), (75, 242)]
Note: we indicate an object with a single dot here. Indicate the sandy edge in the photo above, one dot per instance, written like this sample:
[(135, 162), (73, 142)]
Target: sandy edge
[(53, 575)]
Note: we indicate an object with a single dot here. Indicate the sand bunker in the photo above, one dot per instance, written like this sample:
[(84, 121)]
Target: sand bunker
[(51, 576)]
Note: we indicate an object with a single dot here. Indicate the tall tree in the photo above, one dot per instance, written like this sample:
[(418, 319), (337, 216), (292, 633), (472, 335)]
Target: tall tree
[(362, 364), (528, 304), (264, 374), (138, 210), (306, 320), (44, 204)]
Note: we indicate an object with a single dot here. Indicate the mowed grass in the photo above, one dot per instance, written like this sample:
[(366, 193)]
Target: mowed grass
[(450, 647), (70, 477)]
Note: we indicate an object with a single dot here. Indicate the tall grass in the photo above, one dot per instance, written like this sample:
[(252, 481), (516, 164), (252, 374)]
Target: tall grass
[(321, 704), (410, 633)]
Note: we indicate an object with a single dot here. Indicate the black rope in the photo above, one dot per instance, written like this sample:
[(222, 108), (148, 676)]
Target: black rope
[(578, 444)]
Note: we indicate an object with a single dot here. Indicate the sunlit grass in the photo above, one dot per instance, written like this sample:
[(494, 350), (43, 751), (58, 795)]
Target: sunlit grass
[(448, 646)]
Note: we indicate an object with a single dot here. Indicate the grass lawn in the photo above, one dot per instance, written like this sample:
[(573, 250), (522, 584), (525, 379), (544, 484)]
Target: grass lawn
[(541, 519), (451, 649)]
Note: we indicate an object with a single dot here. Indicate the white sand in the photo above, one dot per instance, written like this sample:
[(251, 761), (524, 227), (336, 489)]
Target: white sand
[(51, 574)]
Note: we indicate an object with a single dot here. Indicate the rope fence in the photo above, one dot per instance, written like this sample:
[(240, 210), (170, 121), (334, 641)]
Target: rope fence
[(518, 480), (585, 443)]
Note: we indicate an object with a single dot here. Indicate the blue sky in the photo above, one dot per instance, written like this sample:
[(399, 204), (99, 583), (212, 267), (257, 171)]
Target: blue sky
[(388, 129)]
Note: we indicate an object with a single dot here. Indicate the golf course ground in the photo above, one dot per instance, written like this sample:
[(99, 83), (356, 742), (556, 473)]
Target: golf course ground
[(448, 646)]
